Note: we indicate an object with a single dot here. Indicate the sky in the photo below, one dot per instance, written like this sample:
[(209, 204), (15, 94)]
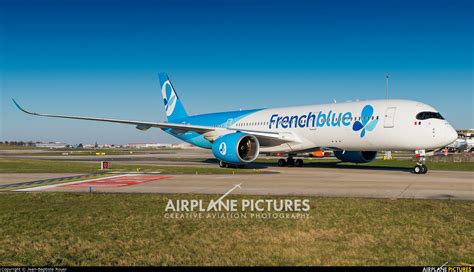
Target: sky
[(101, 58)]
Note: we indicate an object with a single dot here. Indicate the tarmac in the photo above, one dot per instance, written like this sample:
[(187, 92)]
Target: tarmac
[(328, 182), (282, 181)]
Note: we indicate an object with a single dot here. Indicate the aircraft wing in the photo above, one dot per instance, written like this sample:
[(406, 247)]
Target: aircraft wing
[(140, 124), (271, 137)]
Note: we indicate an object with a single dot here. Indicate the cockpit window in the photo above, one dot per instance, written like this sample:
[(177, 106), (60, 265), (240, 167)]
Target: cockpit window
[(429, 115)]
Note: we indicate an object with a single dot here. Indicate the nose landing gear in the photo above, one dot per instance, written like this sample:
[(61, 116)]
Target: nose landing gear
[(421, 167)]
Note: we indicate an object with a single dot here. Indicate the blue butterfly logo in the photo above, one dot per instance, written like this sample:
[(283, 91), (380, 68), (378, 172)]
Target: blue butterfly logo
[(365, 125)]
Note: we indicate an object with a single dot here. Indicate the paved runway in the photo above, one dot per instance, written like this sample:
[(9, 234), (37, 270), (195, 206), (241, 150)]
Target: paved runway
[(26, 177), (311, 182)]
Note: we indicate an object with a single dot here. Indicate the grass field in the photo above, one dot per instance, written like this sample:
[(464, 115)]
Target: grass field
[(46, 166), (18, 147), (130, 229)]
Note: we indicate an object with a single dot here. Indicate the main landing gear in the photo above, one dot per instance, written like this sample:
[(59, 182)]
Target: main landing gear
[(421, 167), (223, 164), (290, 162)]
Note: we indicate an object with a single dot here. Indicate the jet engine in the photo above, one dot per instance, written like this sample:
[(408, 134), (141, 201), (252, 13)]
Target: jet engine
[(236, 148), (356, 156)]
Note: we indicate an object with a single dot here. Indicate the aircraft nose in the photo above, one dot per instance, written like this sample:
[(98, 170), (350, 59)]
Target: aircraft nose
[(451, 134)]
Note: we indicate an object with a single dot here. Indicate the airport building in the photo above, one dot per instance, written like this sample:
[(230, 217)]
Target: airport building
[(52, 145), (465, 133), (147, 145)]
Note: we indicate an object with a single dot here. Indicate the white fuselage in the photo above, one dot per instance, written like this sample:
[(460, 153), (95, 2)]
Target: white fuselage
[(393, 125)]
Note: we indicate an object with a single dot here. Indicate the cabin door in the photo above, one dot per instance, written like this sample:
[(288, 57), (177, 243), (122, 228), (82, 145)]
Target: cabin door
[(390, 117)]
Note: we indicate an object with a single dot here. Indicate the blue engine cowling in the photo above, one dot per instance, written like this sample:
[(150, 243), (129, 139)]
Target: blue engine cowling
[(236, 148), (356, 156)]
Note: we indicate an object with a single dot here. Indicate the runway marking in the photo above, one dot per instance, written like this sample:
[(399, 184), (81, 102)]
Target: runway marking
[(105, 180), (30, 184), (118, 181), (57, 185)]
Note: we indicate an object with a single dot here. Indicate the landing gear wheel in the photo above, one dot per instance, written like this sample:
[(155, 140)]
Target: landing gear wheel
[(281, 162), (290, 162), (299, 163), (418, 169), (222, 164)]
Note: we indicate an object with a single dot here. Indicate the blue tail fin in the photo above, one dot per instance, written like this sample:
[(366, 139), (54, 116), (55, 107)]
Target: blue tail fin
[(173, 106)]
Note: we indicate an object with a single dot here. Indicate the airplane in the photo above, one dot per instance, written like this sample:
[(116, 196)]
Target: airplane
[(354, 131)]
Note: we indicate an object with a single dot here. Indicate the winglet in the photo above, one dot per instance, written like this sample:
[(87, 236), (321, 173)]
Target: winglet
[(22, 109)]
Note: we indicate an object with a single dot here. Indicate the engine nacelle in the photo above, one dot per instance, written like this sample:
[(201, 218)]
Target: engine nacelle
[(356, 156), (236, 148)]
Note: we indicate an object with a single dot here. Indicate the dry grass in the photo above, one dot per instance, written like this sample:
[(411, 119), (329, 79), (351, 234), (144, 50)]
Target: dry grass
[(129, 229)]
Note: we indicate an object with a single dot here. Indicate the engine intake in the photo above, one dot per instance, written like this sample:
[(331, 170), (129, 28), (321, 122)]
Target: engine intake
[(236, 148)]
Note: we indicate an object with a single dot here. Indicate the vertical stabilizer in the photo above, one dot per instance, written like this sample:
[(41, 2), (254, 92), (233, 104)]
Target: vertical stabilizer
[(173, 107)]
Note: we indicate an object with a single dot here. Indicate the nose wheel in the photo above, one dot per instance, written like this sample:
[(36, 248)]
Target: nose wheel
[(421, 167)]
